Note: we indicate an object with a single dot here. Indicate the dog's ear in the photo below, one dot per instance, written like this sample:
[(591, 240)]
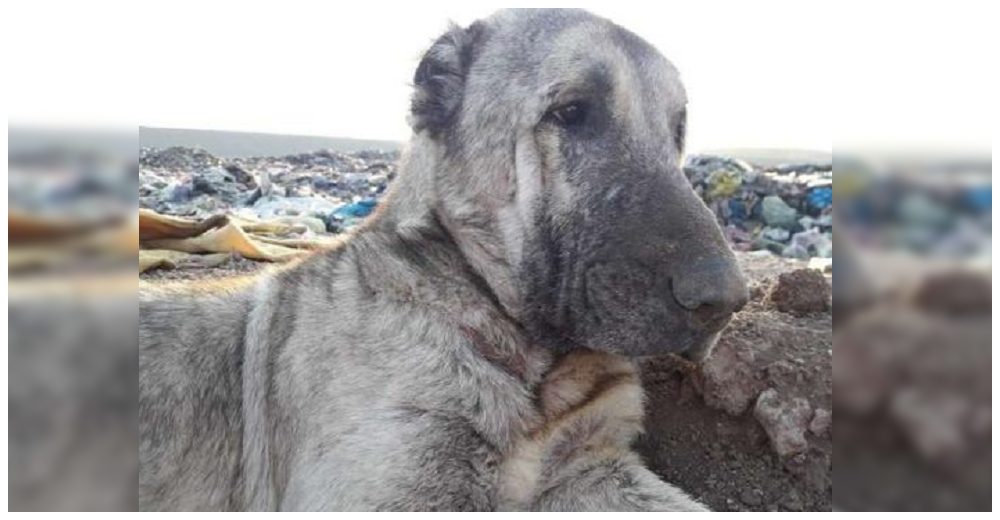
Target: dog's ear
[(440, 78)]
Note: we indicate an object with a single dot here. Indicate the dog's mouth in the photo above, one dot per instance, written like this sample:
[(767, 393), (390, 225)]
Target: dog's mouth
[(703, 349), (694, 345), (625, 308), (691, 345)]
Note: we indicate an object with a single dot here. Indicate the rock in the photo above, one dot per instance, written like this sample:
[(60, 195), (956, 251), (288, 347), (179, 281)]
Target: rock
[(821, 422), (933, 421), (801, 292), (785, 420), (777, 213), (728, 378)]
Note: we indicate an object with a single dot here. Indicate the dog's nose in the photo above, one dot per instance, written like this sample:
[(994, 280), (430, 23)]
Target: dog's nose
[(712, 290)]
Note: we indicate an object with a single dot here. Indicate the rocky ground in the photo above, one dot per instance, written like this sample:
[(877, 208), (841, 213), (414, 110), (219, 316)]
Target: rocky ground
[(750, 430), (914, 384)]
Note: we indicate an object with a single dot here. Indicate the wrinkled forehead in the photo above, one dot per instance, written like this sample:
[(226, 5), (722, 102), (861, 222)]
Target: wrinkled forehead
[(555, 58)]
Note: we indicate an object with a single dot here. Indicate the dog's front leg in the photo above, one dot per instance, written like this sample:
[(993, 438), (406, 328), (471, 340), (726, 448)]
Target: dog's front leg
[(581, 458)]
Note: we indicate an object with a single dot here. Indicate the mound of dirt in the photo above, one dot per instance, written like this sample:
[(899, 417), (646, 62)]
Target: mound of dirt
[(801, 292), (914, 397), (750, 429)]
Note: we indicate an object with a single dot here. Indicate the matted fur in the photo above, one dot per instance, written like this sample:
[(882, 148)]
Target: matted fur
[(404, 369)]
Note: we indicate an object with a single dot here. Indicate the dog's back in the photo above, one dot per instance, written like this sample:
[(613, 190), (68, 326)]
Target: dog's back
[(190, 395)]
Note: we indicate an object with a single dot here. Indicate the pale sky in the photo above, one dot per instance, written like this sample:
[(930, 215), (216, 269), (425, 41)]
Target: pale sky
[(769, 73), (750, 83)]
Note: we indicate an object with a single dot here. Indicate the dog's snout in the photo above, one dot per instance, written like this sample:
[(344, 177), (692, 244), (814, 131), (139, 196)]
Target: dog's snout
[(712, 290)]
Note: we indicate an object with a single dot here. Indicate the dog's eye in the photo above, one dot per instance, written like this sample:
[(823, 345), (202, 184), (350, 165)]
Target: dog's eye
[(568, 115)]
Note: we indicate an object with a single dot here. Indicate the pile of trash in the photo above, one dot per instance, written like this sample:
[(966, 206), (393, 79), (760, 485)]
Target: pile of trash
[(786, 209), (939, 209), (331, 191)]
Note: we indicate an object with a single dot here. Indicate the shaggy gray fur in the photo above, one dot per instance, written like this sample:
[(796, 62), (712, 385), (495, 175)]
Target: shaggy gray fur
[(397, 371)]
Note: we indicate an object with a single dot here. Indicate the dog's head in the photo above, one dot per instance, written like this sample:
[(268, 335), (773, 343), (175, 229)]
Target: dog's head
[(559, 138)]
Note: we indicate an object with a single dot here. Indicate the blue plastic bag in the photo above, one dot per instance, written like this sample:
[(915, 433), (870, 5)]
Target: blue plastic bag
[(359, 209), (820, 198)]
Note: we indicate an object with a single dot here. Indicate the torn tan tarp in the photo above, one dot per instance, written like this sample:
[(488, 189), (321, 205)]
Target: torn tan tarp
[(226, 239), (25, 228), (153, 225), (175, 242), (161, 241), (46, 241)]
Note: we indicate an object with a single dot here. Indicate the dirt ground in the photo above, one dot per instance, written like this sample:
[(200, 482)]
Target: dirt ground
[(914, 386), (702, 427), (235, 266)]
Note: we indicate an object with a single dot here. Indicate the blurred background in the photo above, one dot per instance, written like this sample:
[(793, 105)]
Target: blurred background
[(288, 120)]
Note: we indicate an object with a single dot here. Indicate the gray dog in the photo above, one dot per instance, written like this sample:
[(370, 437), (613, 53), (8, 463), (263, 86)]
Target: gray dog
[(540, 211)]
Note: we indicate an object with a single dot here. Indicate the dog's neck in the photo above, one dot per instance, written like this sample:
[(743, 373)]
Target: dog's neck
[(411, 197), (414, 202), (453, 275)]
